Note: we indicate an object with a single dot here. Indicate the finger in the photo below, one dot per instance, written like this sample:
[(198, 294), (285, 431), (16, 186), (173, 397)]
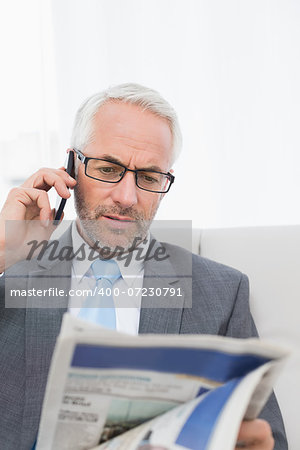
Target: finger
[(59, 181), (45, 178), (69, 177), (60, 185), (255, 434), (21, 204), (30, 197), (63, 174), (258, 427)]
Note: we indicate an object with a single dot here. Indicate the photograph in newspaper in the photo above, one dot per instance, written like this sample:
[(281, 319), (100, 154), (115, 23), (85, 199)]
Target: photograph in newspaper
[(210, 421)]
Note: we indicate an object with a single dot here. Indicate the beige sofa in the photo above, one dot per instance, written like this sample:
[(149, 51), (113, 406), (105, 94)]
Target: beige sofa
[(270, 258)]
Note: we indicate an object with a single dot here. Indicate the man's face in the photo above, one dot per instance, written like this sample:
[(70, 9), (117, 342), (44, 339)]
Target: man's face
[(115, 214)]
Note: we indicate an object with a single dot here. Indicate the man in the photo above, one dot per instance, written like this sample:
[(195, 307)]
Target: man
[(124, 141)]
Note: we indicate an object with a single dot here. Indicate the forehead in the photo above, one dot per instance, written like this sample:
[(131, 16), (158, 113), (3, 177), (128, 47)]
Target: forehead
[(125, 127)]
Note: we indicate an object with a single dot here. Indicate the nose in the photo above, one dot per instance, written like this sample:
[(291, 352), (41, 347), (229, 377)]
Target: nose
[(124, 193)]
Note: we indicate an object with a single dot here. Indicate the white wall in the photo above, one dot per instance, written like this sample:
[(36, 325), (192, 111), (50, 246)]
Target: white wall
[(28, 93), (230, 68)]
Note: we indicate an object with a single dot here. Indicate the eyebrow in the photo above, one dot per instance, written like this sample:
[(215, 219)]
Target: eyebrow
[(116, 160)]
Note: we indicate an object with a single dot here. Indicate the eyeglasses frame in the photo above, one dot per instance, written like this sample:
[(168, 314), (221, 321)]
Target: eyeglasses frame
[(85, 159)]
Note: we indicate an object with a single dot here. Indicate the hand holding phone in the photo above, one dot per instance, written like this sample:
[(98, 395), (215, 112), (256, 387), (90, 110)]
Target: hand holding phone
[(28, 210)]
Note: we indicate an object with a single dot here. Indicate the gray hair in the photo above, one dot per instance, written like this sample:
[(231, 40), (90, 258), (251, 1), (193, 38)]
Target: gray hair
[(147, 99)]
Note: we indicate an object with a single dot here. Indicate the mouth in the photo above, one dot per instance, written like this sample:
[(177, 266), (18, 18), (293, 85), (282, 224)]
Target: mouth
[(119, 222), (120, 218)]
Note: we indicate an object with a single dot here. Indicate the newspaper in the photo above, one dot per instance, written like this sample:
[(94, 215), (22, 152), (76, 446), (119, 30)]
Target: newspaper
[(109, 390)]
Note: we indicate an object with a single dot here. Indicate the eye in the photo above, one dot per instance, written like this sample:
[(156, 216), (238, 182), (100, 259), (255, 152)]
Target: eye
[(148, 178), (108, 169)]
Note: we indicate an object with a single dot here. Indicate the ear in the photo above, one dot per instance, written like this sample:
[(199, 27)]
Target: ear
[(162, 195)]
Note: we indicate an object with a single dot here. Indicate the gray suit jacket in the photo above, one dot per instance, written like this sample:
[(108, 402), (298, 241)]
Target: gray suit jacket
[(214, 301)]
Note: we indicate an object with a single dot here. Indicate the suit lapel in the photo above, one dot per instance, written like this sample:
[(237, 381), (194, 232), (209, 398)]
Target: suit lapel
[(161, 313), (43, 318)]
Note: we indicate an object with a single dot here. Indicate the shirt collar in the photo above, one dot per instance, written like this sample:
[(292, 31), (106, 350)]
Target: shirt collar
[(130, 267)]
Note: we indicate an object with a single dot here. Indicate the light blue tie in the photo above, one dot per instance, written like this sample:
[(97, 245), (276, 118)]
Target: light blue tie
[(100, 307)]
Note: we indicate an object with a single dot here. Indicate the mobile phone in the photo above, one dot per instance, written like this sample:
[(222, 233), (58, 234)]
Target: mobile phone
[(61, 202)]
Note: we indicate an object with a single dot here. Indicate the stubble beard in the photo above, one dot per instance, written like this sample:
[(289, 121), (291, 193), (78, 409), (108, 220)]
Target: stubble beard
[(99, 234)]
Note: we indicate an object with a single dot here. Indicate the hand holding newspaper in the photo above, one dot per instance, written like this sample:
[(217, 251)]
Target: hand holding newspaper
[(152, 391)]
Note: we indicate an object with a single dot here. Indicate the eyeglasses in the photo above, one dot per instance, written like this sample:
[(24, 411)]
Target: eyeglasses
[(112, 172)]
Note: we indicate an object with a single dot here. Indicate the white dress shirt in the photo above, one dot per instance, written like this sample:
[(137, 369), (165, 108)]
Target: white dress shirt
[(127, 289)]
